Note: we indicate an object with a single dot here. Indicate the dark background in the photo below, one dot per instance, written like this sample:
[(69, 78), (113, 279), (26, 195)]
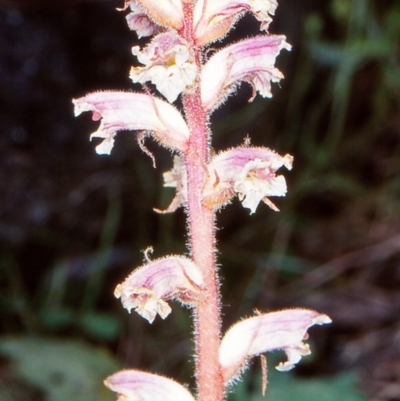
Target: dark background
[(73, 224)]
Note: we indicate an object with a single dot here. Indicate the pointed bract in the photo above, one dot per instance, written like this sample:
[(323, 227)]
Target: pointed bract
[(168, 63), (149, 287), (135, 385), (134, 111), (283, 330), (214, 19), (251, 60), (250, 172)]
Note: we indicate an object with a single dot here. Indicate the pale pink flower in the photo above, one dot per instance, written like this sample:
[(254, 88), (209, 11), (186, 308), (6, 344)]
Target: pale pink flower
[(139, 21), (250, 60), (283, 330), (148, 287), (249, 172), (168, 63), (134, 111), (135, 385), (213, 19)]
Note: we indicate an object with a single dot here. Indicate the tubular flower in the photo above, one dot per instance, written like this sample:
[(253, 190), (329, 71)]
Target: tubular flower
[(134, 111), (139, 21), (214, 19), (251, 60), (148, 287), (250, 173), (284, 330), (135, 385), (168, 63)]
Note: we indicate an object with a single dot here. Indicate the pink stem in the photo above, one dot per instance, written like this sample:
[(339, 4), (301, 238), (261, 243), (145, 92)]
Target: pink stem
[(201, 219), (202, 240)]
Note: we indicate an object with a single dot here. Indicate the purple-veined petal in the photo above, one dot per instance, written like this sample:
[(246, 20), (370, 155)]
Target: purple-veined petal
[(250, 172), (139, 21), (148, 287), (135, 385), (284, 330), (168, 63), (166, 13), (134, 111), (213, 19), (250, 60)]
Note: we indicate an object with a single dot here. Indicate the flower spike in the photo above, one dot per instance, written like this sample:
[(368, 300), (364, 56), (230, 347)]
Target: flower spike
[(135, 385), (134, 111), (263, 333), (149, 287), (250, 60)]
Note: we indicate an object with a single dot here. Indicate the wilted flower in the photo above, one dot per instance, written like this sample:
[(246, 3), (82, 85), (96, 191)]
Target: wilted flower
[(168, 63), (176, 178), (283, 330), (135, 385), (149, 287), (134, 111), (214, 19), (251, 60), (250, 173)]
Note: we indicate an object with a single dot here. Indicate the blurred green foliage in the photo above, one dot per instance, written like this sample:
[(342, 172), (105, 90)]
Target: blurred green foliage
[(286, 387), (58, 370)]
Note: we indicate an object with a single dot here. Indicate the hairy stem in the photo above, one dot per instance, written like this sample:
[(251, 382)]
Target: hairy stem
[(201, 219), (202, 241)]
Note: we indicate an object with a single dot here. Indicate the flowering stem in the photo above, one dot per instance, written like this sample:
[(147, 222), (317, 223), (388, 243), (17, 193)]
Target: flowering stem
[(202, 240)]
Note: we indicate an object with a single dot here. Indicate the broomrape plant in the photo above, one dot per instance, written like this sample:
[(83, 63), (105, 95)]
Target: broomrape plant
[(174, 62)]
